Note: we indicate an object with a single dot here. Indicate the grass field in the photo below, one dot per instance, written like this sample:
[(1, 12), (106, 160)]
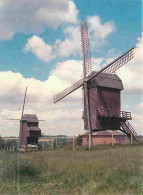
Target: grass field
[(103, 170)]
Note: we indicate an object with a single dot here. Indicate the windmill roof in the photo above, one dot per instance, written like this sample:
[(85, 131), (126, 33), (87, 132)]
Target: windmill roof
[(106, 133), (107, 80), (30, 117)]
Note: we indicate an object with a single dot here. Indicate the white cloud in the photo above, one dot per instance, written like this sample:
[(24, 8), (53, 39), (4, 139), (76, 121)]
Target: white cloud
[(45, 52), (33, 16), (68, 71), (141, 105), (137, 122), (100, 30), (39, 48), (97, 34), (71, 45), (131, 74), (96, 63)]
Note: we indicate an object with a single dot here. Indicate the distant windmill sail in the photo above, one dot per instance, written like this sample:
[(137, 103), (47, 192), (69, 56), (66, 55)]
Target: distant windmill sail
[(21, 125), (24, 102)]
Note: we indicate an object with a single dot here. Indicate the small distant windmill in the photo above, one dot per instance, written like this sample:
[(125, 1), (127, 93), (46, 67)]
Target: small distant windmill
[(101, 93), (29, 127)]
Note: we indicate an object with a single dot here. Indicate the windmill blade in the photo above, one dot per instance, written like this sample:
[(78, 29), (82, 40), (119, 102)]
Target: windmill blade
[(87, 64), (24, 103), (11, 119), (116, 64), (68, 90)]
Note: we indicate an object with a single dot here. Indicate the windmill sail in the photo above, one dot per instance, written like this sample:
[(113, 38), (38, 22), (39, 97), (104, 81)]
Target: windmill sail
[(116, 64), (68, 90), (87, 64), (24, 103), (21, 125)]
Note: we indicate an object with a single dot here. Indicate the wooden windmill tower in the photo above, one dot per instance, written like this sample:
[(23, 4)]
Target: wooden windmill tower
[(29, 127), (101, 93)]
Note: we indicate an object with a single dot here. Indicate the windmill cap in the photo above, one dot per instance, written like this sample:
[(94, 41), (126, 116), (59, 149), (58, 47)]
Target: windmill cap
[(30, 117), (107, 80)]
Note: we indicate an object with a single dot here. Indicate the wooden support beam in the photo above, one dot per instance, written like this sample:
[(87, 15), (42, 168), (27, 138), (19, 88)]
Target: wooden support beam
[(88, 112), (112, 138), (73, 142), (52, 143)]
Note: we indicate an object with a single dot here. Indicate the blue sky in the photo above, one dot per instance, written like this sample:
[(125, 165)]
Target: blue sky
[(126, 15), (29, 29)]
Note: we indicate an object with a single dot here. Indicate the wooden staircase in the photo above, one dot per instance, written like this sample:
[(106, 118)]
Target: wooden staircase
[(129, 131)]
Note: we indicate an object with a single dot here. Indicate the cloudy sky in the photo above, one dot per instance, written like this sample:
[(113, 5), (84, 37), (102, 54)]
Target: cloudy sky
[(40, 48)]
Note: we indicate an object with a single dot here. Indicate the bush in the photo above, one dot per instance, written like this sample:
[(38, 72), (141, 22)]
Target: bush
[(79, 140)]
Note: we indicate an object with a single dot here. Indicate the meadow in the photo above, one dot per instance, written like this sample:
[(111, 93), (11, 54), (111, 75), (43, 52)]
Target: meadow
[(103, 170)]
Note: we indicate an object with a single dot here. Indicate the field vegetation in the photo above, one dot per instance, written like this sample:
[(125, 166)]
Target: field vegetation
[(103, 170)]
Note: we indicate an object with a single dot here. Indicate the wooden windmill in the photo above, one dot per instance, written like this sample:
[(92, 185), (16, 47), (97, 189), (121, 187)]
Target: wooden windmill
[(101, 93), (29, 127)]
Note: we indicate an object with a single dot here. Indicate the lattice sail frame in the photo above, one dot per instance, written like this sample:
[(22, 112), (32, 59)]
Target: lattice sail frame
[(119, 63), (68, 90), (87, 64), (116, 64)]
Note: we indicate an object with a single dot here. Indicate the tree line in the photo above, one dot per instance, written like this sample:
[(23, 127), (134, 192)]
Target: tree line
[(7, 143)]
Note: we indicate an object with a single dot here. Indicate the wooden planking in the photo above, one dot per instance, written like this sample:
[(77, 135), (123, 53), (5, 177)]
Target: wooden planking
[(107, 101)]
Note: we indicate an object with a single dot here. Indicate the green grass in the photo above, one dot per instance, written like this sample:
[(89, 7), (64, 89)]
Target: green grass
[(103, 170)]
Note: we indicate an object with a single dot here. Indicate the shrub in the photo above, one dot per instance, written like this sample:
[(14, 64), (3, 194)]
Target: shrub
[(79, 140)]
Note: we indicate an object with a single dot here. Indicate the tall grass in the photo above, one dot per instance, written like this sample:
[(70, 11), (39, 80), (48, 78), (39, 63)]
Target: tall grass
[(12, 167), (103, 170)]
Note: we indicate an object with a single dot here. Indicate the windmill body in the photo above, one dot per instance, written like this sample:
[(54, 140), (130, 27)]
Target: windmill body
[(101, 93), (29, 129), (104, 93)]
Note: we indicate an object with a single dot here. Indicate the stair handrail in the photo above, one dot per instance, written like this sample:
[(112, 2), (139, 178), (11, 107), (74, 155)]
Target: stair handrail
[(129, 129)]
